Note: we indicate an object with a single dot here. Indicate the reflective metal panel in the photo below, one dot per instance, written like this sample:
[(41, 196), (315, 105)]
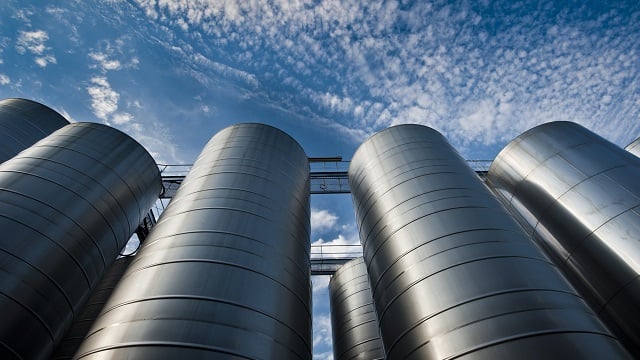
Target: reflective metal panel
[(634, 147), (24, 122), (354, 324), (452, 274), (68, 204), (83, 321), (579, 196), (224, 273)]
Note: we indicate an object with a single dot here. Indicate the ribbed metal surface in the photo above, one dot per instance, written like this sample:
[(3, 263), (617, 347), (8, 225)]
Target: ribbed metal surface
[(83, 321), (24, 122), (634, 147), (68, 204), (579, 195), (354, 324), (452, 274), (224, 274)]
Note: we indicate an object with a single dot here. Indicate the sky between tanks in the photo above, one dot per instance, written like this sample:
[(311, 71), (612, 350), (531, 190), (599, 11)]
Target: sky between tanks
[(330, 73)]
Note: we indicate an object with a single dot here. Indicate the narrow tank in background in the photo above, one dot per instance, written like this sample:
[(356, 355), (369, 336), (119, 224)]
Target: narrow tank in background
[(452, 274), (354, 324), (224, 274), (22, 123), (68, 205), (634, 147), (578, 195)]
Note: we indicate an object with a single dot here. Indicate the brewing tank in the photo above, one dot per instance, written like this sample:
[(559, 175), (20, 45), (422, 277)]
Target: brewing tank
[(22, 123), (224, 273), (68, 204), (452, 274), (579, 196), (634, 147), (354, 325), (91, 309)]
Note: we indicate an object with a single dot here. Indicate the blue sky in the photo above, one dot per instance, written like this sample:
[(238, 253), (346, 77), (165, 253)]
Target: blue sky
[(171, 73)]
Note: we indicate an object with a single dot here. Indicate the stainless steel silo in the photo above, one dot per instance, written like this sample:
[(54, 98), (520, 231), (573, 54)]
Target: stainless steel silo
[(354, 324), (92, 308), (68, 204), (634, 147), (452, 274), (579, 196), (22, 123), (224, 274)]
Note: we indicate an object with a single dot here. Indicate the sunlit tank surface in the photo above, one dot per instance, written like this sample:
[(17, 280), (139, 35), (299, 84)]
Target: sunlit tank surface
[(68, 205), (579, 196), (354, 325), (452, 274), (224, 274), (24, 122), (83, 321), (634, 147)]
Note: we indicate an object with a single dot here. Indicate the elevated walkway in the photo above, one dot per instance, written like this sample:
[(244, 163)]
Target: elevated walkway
[(327, 175)]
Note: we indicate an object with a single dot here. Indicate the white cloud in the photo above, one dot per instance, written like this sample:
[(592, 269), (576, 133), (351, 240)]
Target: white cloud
[(4, 79), (34, 42), (67, 116), (320, 283), (327, 355), (121, 118), (43, 61), (321, 330), (424, 63), (104, 62), (322, 220), (114, 54), (104, 100), (225, 70)]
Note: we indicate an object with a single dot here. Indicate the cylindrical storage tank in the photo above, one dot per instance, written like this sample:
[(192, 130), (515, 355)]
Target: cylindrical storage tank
[(224, 274), (579, 196), (452, 274), (83, 321), (354, 324), (24, 122), (68, 205), (634, 147)]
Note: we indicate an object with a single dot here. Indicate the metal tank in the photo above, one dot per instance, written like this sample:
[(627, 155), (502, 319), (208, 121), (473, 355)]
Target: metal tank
[(452, 274), (579, 196), (83, 321), (634, 147), (354, 325), (22, 123), (68, 204), (224, 274)]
